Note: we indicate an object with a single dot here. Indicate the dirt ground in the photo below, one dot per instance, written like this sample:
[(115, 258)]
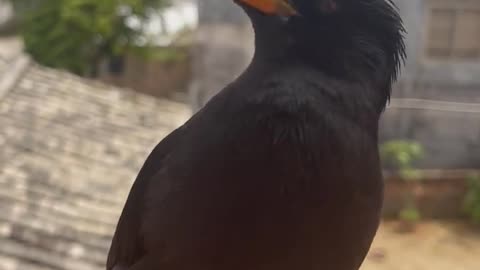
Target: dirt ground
[(433, 246)]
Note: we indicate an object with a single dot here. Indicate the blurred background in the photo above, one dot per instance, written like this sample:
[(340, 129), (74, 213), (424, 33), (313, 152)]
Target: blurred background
[(88, 87)]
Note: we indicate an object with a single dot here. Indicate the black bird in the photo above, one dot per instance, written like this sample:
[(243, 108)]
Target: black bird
[(280, 170)]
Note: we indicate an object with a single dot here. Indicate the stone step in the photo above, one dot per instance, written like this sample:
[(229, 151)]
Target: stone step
[(93, 131), (54, 243), (65, 204), (19, 213), (100, 184), (81, 113), (44, 258), (99, 93), (12, 263), (18, 206), (91, 202), (65, 233), (83, 151)]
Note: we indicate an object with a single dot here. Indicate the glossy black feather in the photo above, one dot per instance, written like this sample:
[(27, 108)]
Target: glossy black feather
[(280, 170)]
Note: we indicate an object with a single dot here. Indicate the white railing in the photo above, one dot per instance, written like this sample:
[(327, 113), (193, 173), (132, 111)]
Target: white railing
[(434, 105)]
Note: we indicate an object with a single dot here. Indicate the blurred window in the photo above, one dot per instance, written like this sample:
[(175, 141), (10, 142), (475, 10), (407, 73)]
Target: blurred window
[(453, 29)]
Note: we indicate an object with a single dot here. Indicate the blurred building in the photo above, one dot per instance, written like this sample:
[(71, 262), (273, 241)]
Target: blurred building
[(163, 75), (437, 101), (169, 35)]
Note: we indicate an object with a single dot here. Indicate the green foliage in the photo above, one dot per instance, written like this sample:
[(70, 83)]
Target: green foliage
[(401, 154), (410, 213), (472, 198), (77, 34), (162, 54)]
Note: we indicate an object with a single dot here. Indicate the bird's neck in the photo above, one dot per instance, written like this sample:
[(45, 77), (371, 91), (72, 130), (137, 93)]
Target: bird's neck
[(271, 40), (270, 48), (258, 69)]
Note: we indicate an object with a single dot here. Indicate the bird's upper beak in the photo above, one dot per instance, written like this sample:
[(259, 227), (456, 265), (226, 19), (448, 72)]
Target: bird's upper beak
[(272, 7)]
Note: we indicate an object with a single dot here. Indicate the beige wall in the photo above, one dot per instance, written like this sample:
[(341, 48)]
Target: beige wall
[(153, 77)]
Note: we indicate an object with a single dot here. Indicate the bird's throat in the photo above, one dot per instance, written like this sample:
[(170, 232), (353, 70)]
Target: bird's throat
[(271, 37)]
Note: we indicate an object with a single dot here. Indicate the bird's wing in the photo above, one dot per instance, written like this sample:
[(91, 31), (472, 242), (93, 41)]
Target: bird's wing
[(126, 245), (233, 172)]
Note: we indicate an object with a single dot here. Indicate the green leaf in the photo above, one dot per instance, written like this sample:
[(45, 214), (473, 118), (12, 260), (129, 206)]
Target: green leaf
[(77, 34)]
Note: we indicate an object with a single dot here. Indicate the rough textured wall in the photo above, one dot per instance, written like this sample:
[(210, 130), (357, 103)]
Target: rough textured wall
[(223, 49)]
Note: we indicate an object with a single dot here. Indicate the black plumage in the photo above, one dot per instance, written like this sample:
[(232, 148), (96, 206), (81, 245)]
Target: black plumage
[(280, 170)]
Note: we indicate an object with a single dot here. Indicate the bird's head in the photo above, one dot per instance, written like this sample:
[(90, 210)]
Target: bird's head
[(348, 39)]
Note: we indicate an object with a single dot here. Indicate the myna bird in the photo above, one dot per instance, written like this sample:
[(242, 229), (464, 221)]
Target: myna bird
[(280, 170)]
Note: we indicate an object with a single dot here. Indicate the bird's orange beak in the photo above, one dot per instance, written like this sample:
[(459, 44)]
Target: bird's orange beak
[(272, 7)]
